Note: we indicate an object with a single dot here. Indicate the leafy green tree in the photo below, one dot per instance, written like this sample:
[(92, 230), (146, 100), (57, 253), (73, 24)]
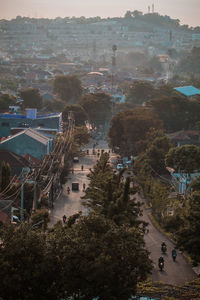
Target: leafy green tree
[(81, 135), (176, 112), (68, 88), (31, 97), (190, 63), (5, 174), (140, 92), (24, 261), (195, 184), (79, 113), (100, 259), (156, 152), (188, 237), (40, 217), (98, 107), (109, 195), (6, 100), (160, 192), (185, 158), (128, 130), (89, 257)]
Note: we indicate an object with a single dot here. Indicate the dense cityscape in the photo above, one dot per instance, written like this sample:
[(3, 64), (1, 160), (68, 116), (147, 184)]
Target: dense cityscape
[(99, 158)]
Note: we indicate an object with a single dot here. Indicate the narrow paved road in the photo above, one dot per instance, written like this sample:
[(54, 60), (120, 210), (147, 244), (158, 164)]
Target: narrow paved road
[(69, 204), (176, 273)]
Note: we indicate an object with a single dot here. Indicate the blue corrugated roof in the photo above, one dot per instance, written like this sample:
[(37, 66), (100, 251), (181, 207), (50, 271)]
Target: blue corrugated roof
[(188, 90)]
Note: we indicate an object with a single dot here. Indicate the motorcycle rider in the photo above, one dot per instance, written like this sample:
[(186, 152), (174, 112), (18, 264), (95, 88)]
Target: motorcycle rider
[(174, 254), (163, 247), (161, 262)]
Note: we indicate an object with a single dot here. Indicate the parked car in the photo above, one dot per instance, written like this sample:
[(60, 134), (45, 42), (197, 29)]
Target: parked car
[(76, 159), (120, 166)]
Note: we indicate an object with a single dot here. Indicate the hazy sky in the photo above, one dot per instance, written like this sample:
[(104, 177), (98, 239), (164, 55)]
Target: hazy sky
[(187, 11)]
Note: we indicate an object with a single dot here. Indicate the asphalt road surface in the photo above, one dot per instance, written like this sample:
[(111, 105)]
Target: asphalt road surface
[(176, 273), (69, 204)]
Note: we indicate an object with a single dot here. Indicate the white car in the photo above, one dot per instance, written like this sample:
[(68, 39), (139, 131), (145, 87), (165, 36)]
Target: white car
[(120, 166)]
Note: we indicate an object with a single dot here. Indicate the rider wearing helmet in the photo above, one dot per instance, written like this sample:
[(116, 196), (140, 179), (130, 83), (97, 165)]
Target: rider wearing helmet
[(161, 260)]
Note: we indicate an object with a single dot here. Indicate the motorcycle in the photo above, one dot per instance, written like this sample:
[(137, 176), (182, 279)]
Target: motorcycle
[(161, 265), (164, 248), (174, 254)]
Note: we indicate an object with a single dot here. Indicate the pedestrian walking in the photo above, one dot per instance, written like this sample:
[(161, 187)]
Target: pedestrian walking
[(64, 219)]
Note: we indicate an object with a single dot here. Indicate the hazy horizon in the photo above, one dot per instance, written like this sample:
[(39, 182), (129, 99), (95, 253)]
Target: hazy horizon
[(184, 10)]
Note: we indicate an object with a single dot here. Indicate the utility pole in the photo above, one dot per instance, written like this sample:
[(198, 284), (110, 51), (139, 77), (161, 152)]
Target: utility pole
[(22, 198), (114, 49), (35, 196)]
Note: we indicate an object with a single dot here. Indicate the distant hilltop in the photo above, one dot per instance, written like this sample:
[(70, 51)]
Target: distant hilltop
[(144, 22)]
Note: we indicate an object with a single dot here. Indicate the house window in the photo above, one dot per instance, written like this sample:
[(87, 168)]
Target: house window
[(5, 124)]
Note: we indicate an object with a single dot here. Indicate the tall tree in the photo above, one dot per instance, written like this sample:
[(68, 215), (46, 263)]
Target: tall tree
[(81, 135), (68, 88), (185, 158), (6, 100), (140, 92), (89, 257), (31, 97), (129, 129), (100, 259), (79, 113), (109, 195), (98, 107), (176, 112), (188, 237)]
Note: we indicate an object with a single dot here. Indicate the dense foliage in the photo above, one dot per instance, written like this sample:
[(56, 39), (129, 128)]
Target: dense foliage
[(176, 112), (98, 107), (31, 97), (191, 63), (99, 255), (184, 159), (129, 129), (68, 88)]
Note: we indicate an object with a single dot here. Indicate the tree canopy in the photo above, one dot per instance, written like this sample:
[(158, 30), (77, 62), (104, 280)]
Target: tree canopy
[(191, 63), (176, 112), (129, 129), (68, 88), (6, 100), (79, 113), (140, 91), (98, 107), (81, 135), (31, 97), (89, 257), (188, 237), (185, 158)]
